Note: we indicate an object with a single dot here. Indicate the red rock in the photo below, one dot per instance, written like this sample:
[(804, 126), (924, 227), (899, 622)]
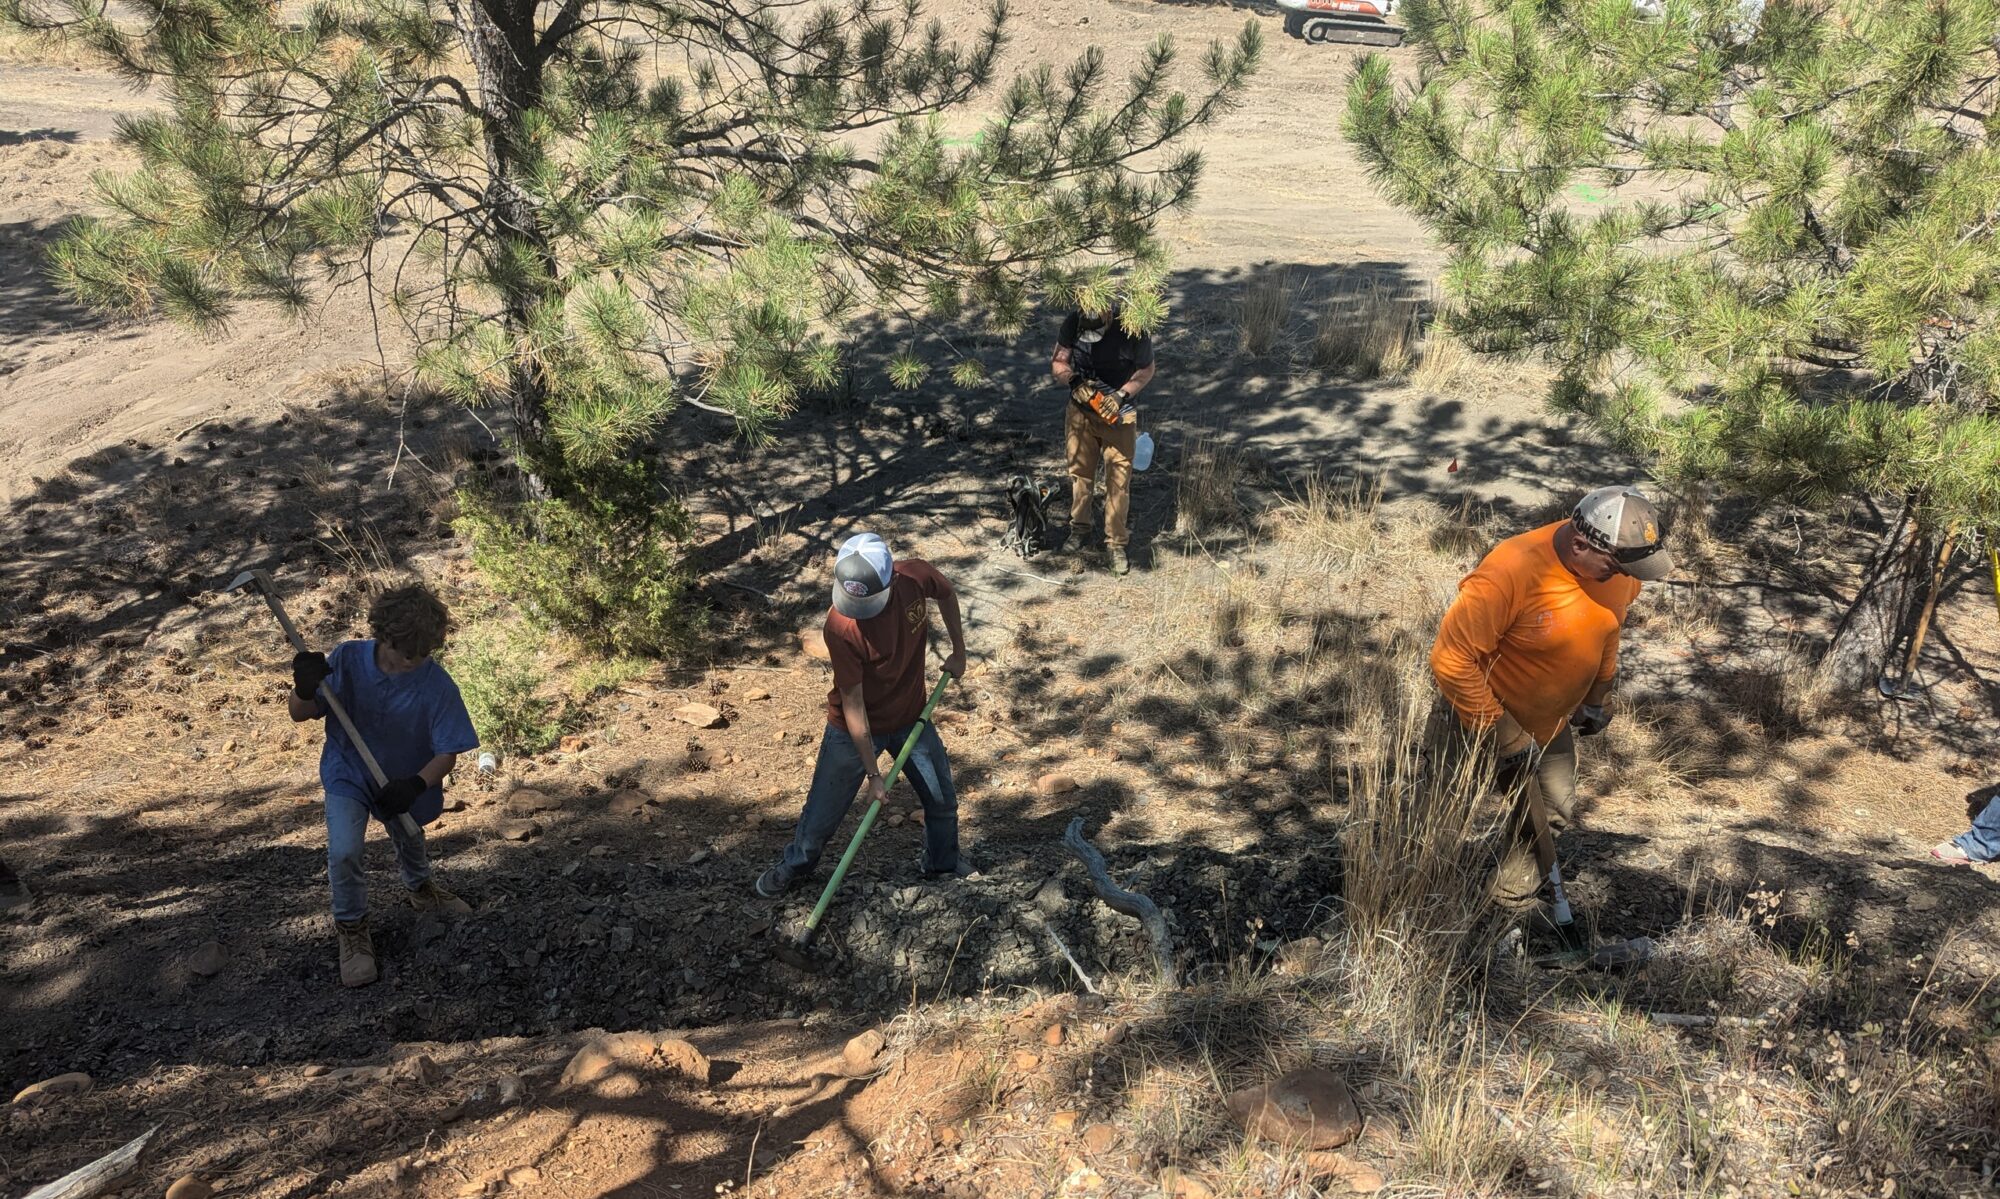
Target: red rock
[(527, 801), (701, 716), (74, 1083), (1307, 1108), (628, 803), (1179, 1184), (633, 1051), (860, 1052), (1055, 784), (1099, 1138), (419, 1069)]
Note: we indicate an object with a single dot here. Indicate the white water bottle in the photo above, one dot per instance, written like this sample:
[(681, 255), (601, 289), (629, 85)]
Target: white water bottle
[(1142, 452)]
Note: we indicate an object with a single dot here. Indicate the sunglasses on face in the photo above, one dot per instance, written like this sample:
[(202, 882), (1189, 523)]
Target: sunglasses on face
[(1624, 556)]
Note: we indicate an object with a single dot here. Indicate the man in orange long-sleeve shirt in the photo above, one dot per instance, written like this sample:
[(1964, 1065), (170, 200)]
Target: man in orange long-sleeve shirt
[(1527, 655)]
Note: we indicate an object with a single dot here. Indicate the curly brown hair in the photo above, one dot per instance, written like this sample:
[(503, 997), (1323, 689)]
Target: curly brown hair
[(411, 617)]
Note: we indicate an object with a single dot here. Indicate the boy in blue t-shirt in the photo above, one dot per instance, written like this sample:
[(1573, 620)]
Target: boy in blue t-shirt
[(408, 711)]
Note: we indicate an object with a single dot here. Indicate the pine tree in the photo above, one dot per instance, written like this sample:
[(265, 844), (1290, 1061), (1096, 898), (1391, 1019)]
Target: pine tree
[(1790, 282), (589, 212)]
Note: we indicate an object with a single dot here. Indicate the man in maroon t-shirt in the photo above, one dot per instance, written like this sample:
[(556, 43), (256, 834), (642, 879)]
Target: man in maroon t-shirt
[(876, 634)]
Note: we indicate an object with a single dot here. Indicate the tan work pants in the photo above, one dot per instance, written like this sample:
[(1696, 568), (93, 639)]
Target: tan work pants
[(1519, 876), (1090, 442)]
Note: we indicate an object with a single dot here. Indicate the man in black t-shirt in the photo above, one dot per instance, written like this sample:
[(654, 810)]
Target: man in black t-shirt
[(1095, 356)]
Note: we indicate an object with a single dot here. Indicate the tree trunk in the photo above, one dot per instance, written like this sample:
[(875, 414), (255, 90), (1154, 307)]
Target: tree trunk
[(499, 37), (1865, 640)]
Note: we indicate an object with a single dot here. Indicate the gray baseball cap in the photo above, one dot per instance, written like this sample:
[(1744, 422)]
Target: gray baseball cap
[(1625, 524), (861, 576)]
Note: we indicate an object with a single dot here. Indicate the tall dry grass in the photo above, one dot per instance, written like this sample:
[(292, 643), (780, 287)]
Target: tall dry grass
[(1443, 361), (1780, 1070), (1366, 329), (1266, 314), (1207, 495)]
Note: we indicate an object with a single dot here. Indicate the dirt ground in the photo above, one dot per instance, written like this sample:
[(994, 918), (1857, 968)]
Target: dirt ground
[(159, 802)]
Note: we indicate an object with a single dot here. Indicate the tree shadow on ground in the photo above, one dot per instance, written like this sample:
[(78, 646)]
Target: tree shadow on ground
[(1234, 813), (31, 306)]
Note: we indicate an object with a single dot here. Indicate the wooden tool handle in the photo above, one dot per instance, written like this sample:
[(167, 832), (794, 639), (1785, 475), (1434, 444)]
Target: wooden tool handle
[(407, 823)]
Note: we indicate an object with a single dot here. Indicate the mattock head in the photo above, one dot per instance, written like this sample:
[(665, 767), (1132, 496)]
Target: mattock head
[(258, 578)]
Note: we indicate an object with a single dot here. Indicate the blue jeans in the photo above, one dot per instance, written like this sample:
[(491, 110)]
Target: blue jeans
[(1981, 843), (346, 833), (837, 778)]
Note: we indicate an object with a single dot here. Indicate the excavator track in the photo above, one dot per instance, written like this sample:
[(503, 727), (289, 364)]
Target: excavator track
[(1360, 31)]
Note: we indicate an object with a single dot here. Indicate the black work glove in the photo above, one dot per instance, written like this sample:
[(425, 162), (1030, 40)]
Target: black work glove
[(396, 798), (1511, 773), (309, 670), (1590, 720)]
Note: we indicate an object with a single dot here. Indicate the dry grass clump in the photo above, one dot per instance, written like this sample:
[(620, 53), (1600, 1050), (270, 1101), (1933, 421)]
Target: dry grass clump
[(1363, 328), (1790, 691), (1443, 361), (1266, 313), (1206, 495), (1366, 330)]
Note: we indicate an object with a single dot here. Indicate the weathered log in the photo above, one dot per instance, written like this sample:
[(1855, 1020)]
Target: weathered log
[(100, 1175), (1118, 899)]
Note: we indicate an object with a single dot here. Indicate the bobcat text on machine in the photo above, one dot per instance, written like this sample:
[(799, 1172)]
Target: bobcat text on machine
[(1365, 22)]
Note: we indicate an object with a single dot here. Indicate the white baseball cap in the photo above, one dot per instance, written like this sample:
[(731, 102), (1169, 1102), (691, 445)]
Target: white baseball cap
[(861, 576), (1624, 523)]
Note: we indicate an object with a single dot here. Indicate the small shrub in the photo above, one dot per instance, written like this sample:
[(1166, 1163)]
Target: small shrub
[(497, 676), (601, 676), (601, 564)]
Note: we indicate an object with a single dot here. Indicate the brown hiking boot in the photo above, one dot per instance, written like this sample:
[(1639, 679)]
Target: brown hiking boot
[(435, 899), (1119, 565), (357, 953)]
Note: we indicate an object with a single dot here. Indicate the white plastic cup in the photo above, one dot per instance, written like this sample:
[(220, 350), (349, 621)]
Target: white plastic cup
[(488, 763)]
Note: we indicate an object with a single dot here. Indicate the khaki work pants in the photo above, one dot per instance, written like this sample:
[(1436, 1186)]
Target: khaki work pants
[(1090, 442), (1519, 877)]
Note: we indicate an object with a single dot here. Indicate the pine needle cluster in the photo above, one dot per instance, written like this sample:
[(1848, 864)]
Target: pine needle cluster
[(1756, 239)]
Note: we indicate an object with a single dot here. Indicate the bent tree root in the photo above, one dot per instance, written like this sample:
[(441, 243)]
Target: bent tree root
[(1118, 899)]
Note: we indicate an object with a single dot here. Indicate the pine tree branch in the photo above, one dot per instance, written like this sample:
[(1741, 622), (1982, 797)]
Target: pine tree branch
[(566, 22), (769, 157), (1837, 256)]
